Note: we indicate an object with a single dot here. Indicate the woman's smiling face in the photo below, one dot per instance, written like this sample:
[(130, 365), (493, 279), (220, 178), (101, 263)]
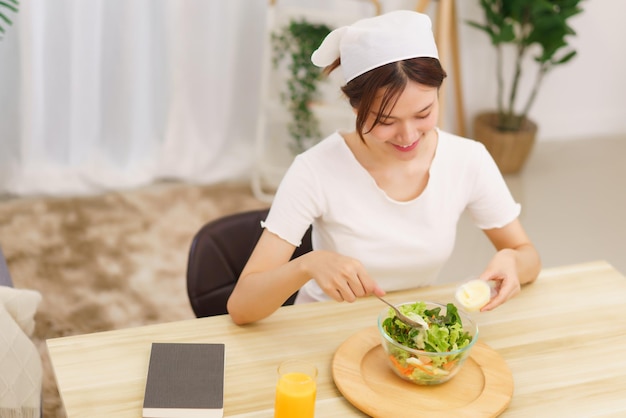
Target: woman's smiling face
[(399, 133)]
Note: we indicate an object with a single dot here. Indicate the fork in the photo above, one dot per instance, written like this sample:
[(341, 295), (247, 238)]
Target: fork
[(415, 323)]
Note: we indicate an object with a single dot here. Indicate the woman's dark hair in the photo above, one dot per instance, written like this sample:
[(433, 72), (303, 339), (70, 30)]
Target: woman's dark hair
[(393, 77)]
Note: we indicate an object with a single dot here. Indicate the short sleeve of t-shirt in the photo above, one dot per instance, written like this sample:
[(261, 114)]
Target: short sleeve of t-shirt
[(298, 201), (490, 204)]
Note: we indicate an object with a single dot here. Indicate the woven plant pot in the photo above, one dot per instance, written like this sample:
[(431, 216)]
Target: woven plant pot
[(509, 149)]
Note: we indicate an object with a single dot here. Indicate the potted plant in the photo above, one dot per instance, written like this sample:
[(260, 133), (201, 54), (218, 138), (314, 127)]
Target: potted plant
[(4, 19), (293, 45), (538, 27)]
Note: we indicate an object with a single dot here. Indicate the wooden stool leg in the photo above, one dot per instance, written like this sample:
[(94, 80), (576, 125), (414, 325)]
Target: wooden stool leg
[(422, 5), (456, 72), (442, 36)]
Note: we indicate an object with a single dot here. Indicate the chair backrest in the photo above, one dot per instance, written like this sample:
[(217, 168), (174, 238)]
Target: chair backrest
[(218, 254)]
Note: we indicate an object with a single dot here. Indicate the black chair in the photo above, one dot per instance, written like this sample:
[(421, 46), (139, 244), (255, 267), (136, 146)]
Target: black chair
[(218, 254)]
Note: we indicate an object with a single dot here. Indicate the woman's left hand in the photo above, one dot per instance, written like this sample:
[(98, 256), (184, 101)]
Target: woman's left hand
[(516, 263), (502, 272)]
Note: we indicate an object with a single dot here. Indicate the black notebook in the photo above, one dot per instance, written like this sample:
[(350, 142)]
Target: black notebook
[(185, 380)]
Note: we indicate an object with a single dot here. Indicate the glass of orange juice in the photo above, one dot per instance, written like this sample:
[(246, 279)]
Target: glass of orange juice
[(295, 390)]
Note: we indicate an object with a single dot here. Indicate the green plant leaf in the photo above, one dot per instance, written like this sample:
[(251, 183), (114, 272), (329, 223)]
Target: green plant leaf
[(10, 6), (507, 32), (565, 59), (4, 17)]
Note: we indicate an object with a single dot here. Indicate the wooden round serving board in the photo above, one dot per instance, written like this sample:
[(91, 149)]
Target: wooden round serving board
[(482, 388)]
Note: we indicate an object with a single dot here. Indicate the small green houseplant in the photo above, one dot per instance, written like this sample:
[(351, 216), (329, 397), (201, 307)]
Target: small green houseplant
[(12, 5), (294, 43), (531, 27)]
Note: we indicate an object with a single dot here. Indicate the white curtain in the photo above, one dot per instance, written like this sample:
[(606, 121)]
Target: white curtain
[(103, 94)]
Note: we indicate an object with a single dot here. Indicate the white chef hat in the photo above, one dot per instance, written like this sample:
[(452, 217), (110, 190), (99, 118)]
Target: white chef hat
[(373, 42)]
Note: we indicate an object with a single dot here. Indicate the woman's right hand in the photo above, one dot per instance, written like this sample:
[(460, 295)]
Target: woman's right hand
[(342, 278), (269, 278)]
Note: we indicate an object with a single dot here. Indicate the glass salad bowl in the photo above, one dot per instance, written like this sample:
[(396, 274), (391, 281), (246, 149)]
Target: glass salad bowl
[(427, 356)]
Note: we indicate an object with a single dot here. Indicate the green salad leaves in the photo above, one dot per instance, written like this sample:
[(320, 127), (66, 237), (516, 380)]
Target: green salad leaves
[(445, 332)]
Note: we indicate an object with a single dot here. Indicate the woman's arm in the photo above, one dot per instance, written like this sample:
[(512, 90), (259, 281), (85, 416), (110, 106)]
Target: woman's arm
[(266, 281), (269, 278), (515, 263)]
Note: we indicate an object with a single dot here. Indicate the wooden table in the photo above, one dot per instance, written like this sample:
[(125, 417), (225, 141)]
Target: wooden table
[(563, 337)]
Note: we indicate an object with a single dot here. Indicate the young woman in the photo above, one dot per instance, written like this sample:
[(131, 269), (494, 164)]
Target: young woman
[(385, 199)]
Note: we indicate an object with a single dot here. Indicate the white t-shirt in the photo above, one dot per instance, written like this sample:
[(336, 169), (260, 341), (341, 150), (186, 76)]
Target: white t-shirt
[(401, 244)]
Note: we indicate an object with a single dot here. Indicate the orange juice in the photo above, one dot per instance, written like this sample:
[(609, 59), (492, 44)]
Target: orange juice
[(295, 396)]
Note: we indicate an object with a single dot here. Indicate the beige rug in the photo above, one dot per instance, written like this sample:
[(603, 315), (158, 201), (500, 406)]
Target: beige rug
[(108, 262)]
